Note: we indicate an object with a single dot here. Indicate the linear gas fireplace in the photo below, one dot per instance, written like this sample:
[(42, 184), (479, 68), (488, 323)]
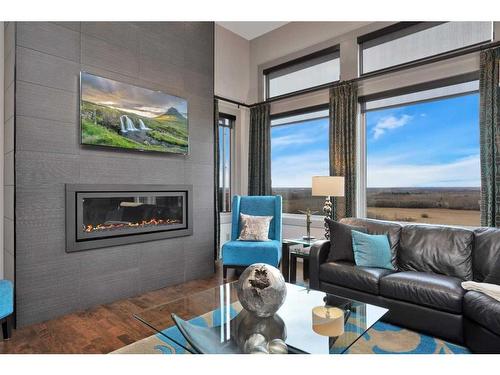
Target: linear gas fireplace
[(108, 215)]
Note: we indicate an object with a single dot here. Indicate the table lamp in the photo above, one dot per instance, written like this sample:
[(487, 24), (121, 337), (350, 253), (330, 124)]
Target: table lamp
[(328, 186)]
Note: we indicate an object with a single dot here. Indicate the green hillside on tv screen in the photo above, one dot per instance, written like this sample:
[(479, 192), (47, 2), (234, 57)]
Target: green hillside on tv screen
[(115, 114)]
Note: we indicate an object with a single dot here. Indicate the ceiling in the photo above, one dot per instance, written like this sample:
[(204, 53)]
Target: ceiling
[(250, 29)]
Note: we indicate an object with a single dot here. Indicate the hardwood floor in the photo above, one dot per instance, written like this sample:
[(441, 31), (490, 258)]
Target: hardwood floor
[(104, 328), (101, 329)]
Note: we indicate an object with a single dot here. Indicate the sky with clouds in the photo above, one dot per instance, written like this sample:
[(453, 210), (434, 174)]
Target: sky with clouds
[(138, 100), (428, 144)]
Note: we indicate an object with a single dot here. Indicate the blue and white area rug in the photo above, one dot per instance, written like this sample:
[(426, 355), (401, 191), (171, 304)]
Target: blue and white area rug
[(382, 338)]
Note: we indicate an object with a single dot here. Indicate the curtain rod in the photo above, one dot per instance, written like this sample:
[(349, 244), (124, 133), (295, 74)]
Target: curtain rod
[(231, 101), (397, 68)]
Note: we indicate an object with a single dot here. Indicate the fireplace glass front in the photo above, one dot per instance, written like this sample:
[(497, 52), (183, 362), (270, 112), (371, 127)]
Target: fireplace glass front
[(107, 215)]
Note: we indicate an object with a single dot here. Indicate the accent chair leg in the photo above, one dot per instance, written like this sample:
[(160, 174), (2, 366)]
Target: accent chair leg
[(7, 328), (224, 272)]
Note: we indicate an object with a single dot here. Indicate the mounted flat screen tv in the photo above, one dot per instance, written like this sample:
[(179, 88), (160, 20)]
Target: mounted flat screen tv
[(119, 115)]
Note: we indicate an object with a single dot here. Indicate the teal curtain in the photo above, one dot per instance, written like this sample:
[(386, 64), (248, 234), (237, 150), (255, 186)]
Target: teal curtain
[(259, 151), (216, 180), (489, 123), (343, 116)]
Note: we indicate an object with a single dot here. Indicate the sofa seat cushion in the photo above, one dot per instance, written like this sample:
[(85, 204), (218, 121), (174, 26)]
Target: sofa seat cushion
[(431, 290), (483, 310), (346, 274), (245, 253)]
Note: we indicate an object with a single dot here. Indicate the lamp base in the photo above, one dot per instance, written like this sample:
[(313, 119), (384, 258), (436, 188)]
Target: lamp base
[(327, 210)]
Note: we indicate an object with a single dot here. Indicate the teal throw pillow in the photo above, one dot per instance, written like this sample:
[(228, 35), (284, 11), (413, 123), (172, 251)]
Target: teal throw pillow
[(372, 250)]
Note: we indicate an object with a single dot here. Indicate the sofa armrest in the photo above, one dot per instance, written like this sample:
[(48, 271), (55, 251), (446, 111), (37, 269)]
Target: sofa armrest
[(317, 256)]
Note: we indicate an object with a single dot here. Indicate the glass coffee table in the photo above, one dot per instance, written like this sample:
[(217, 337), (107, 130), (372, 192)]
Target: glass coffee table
[(216, 319)]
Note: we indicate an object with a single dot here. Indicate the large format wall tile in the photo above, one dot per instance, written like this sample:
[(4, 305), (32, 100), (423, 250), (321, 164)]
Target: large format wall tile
[(49, 136), (47, 70), (155, 55), (122, 34), (46, 103), (97, 52), (49, 38)]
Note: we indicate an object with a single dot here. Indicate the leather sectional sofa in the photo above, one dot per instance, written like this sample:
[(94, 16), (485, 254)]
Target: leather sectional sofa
[(424, 293)]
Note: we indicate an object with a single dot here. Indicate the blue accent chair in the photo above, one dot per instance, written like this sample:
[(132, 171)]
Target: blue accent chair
[(241, 254), (6, 307)]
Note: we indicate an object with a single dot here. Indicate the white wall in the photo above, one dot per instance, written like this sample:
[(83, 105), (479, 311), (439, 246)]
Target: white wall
[(232, 65), (232, 81), (1, 142)]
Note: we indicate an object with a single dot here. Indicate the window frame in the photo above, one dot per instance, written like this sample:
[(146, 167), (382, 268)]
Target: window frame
[(297, 64), (231, 125), (362, 208), (291, 218), (400, 29)]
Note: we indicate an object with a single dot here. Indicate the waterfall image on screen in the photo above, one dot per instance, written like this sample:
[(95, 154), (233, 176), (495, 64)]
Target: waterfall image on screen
[(115, 114)]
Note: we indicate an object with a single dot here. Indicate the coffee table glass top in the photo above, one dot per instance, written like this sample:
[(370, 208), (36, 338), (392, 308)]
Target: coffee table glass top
[(228, 325)]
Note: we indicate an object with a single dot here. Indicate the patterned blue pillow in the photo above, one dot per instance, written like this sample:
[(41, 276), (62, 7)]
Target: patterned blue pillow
[(372, 250)]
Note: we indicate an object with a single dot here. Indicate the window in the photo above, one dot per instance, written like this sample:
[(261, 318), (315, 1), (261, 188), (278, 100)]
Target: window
[(422, 152), (410, 41), (299, 150), (313, 70), (226, 125)]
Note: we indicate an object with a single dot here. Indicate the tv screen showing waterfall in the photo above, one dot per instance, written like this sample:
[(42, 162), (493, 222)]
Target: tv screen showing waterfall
[(116, 114)]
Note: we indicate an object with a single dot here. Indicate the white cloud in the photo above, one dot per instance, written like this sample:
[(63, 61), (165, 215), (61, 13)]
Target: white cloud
[(463, 172), (291, 139), (389, 123), (301, 135), (297, 170)]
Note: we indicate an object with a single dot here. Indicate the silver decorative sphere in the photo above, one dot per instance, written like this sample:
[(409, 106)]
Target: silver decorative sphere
[(261, 289), (277, 346), (255, 344)]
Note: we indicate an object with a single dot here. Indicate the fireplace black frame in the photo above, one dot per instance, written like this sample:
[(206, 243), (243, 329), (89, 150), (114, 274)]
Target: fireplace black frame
[(72, 202)]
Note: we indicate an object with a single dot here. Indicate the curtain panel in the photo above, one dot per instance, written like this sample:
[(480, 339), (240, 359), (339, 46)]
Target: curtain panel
[(216, 179), (489, 125), (259, 151), (343, 116)]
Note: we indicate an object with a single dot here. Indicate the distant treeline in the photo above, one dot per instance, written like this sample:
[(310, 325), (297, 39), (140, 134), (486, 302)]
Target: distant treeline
[(299, 199), (450, 198)]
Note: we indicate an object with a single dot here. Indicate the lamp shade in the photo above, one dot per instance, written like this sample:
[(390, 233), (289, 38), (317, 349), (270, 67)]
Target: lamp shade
[(328, 186)]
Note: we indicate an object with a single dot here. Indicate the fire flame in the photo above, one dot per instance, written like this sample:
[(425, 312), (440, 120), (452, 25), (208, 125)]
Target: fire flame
[(109, 226)]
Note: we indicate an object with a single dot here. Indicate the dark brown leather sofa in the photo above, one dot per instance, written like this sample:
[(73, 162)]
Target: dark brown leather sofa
[(424, 293)]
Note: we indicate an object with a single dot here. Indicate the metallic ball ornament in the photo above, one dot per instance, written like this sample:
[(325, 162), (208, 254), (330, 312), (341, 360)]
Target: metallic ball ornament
[(277, 346), (256, 344), (261, 289)]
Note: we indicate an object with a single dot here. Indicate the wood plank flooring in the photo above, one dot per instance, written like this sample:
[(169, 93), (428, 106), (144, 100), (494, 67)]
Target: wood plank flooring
[(104, 328), (101, 329)]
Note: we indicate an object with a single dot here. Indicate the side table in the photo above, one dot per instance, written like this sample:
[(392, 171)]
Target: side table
[(289, 257)]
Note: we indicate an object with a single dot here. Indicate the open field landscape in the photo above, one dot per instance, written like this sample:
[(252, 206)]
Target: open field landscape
[(426, 215), (451, 206)]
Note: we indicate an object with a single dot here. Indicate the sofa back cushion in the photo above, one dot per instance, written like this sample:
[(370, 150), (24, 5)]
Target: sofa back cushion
[(391, 229), (486, 252), (438, 249), (341, 241)]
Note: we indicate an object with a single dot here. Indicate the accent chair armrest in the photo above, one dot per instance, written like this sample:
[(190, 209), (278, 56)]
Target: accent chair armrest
[(317, 256)]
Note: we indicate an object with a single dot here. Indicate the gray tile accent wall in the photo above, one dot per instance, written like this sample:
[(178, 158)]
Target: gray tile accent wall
[(9, 89), (174, 57)]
